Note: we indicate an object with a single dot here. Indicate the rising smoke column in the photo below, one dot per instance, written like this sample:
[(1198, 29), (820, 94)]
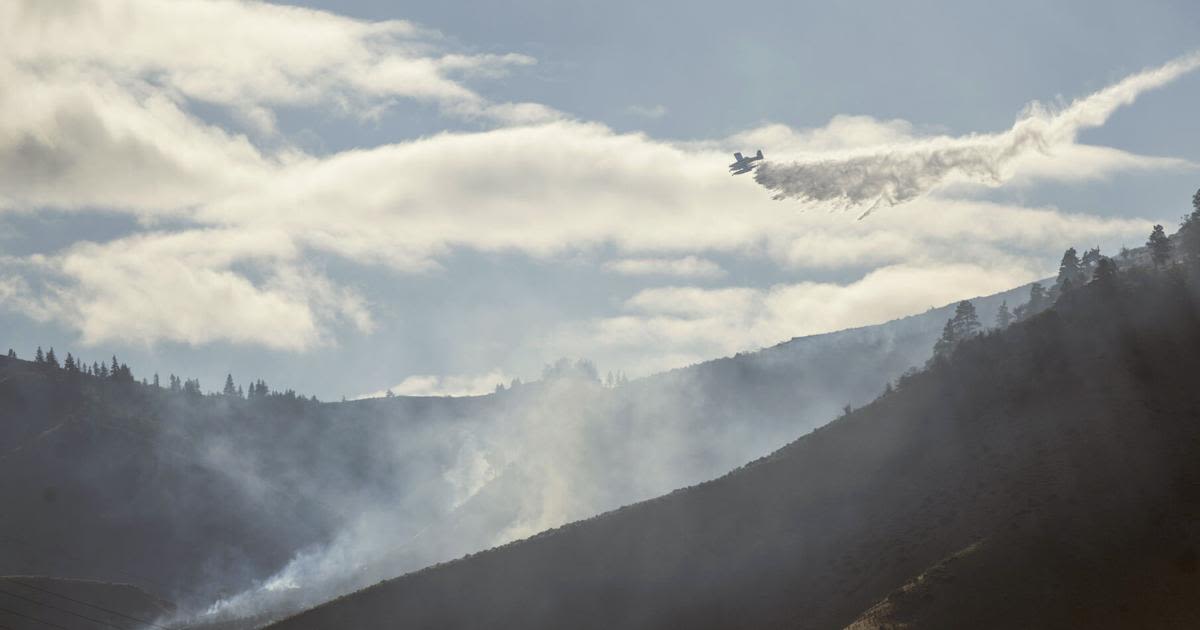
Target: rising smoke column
[(902, 173)]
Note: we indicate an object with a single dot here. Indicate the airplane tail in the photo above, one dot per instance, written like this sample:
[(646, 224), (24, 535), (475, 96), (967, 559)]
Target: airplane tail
[(759, 155)]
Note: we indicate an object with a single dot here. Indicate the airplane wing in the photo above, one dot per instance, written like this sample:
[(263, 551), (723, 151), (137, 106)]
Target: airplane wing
[(738, 157)]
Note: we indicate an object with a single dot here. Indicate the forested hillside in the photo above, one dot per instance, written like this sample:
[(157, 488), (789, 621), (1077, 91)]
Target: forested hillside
[(1046, 475)]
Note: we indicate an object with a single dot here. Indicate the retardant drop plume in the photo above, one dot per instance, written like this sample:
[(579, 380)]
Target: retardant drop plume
[(902, 173)]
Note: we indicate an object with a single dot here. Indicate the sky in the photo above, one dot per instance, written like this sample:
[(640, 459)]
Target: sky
[(348, 197)]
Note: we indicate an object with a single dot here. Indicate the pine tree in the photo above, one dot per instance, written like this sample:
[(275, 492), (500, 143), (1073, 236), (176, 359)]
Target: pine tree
[(966, 321), (1189, 232), (114, 371), (963, 325), (156, 380), (1160, 246), (239, 392), (69, 364), (945, 343), (230, 389), (52, 360), (1003, 316), (1106, 273), (1038, 302), (12, 354), (39, 356), (1069, 273)]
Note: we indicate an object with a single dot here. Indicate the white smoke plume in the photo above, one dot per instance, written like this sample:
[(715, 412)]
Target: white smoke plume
[(901, 173)]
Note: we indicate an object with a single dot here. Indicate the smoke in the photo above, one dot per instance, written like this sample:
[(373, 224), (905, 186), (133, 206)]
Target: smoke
[(422, 481), (902, 173), (473, 473)]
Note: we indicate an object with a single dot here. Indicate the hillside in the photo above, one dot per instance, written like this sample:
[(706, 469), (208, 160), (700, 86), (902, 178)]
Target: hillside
[(1064, 448), (34, 603), (200, 498)]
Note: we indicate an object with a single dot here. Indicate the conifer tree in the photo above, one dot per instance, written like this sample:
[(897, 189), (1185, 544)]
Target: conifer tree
[(1189, 232), (39, 356), (12, 354), (1069, 273), (945, 343), (69, 364), (963, 325), (1038, 302), (115, 370), (230, 389), (1105, 274), (51, 360), (156, 380), (1160, 246), (1003, 316)]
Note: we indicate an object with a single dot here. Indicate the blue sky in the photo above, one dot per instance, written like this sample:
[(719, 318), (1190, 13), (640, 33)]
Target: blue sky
[(438, 196)]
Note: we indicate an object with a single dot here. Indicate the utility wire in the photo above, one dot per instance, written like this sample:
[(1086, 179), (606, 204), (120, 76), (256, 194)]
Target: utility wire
[(61, 609), (59, 549), (89, 604), (41, 621)]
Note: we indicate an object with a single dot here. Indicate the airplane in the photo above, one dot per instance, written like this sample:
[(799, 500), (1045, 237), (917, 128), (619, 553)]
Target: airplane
[(744, 164)]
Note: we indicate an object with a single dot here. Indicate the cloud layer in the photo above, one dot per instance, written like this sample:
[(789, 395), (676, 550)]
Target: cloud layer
[(232, 214)]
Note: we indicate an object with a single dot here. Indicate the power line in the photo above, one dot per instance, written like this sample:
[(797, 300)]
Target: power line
[(60, 609), (58, 548), (41, 621), (80, 601)]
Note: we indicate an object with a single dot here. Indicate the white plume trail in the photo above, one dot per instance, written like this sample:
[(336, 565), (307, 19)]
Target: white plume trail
[(902, 173)]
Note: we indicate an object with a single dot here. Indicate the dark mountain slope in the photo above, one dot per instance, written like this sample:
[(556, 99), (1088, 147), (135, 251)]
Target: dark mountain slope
[(185, 495), (29, 603), (1077, 431), (199, 497)]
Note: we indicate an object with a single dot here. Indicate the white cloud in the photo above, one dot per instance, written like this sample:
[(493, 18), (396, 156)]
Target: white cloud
[(183, 287), (242, 53), (689, 324), (686, 267), (92, 125)]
